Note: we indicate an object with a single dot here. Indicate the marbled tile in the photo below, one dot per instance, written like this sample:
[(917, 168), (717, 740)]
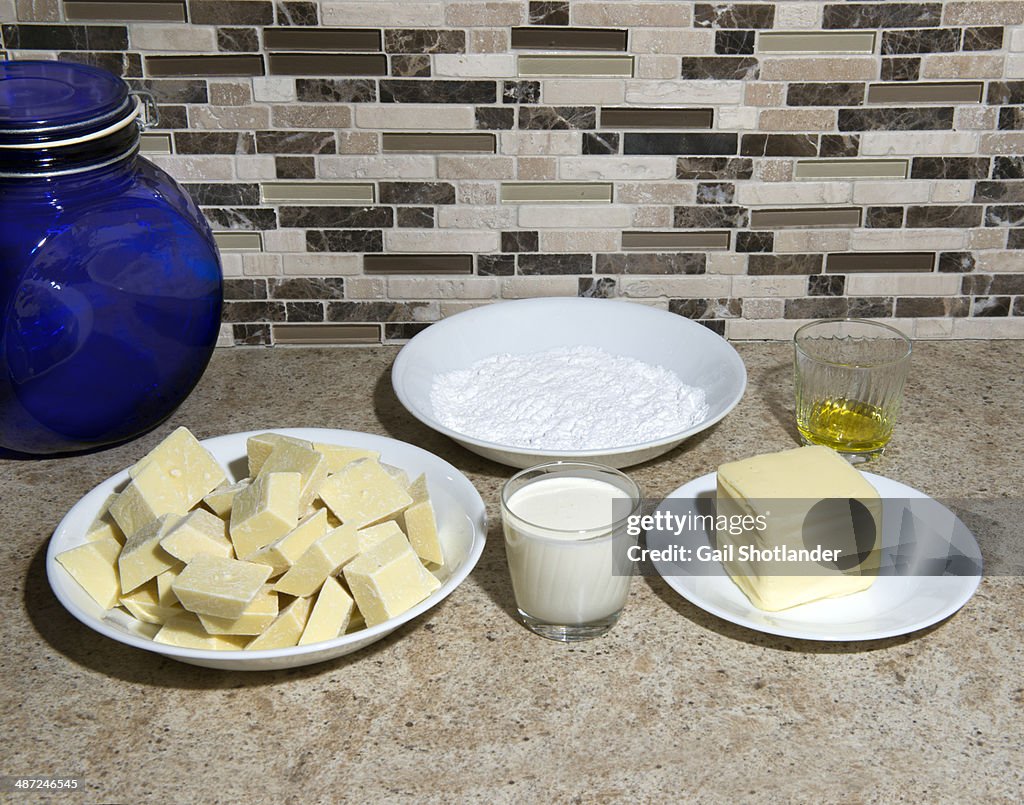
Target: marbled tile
[(253, 311), (495, 265), (417, 193), (520, 241), (418, 264), (411, 65), (1008, 167), (495, 118), (985, 284), (27, 36), (924, 306), (705, 308), (734, 43), (882, 262), (666, 118), (304, 311), (557, 117), (882, 15), (335, 90), (312, 334), (1005, 215), (763, 264), (531, 264), (249, 335), (415, 217), (600, 142), (400, 90), (127, 11), (402, 331), (943, 216), (804, 217), (884, 217), (296, 12), (520, 92), (563, 38), (834, 93), (949, 168), (204, 65), (902, 119), (714, 168), (755, 242), (597, 287), (990, 306), (223, 193), (691, 144), (696, 93), (1011, 118), (956, 262), (733, 15), (983, 38), (126, 65), (1005, 92), (921, 40), (839, 307), (557, 65), (900, 69), (424, 40), (238, 40), (548, 12), (307, 288), (344, 240), (826, 285), (999, 192), (710, 217), (716, 193), (295, 142), (214, 142), (727, 68), (651, 263), (928, 92), (336, 216), (776, 145)]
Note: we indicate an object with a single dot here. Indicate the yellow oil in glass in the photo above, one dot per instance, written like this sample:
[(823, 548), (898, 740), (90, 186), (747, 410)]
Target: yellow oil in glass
[(850, 426)]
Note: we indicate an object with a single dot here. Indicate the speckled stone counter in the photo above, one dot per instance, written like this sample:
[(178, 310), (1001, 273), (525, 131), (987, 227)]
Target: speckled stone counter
[(466, 704)]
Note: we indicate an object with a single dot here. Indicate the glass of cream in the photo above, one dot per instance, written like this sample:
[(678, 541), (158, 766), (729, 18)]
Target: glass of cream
[(565, 526)]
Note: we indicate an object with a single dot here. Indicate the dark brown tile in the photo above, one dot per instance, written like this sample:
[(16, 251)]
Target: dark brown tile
[(401, 90), (652, 262), (520, 241), (958, 216), (549, 12), (735, 42), (562, 38), (1015, 239), (597, 287), (882, 15), (557, 117), (913, 307), (986, 284), (779, 145), (250, 335), (956, 262), (238, 40), (830, 307), (418, 264), (411, 65), (139, 10), (417, 193), (755, 241), (783, 264), (296, 12), (496, 265), (305, 39), (214, 142), (984, 38), (896, 119), (885, 217), (415, 217), (720, 68), (805, 217), (839, 145), (690, 144), (344, 240), (204, 65), (294, 167), (1008, 167), (710, 217), (826, 285), (920, 40), (1005, 92), (624, 118), (713, 168), (880, 262), (949, 168), (492, 117), (237, 289), (253, 311), (403, 331), (555, 264), (1004, 215), (990, 306), (231, 12), (336, 90), (706, 308), (832, 93), (327, 334), (1011, 118), (304, 311), (307, 288), (241, 218), (317, 64), (375, 311), (336, 216), (520, 92), (733, 15), (393, 142), (424, 40), (716, 193), (218, 194), (999, 192), (126, 65), (900, 69), (26, 36), (296, 142), (173, 90), (600, 142)]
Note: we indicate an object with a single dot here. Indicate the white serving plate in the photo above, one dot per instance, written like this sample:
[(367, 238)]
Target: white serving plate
[(699, 357), (893, 605), (462, 526)]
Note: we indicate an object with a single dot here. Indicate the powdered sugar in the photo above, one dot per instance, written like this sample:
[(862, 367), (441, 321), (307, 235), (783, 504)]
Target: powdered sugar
[(569, 398)]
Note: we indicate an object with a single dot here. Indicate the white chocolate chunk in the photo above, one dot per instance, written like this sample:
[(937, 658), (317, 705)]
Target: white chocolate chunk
[(286, 630), (311, 465), (258, 448), (164, 582), (322, 559), (284, 552), (363, 494), (265, 511), (373, 534), (330, 615), (420, 525), (94, 566), (256, 617), (220, 499), (141, 557), (212, 585), (144, 603), (198, 532), (186, 465), (146, 498), (338, 456), (105, 525), (388, 579), (793, 492), (186, 631), (396, 473)]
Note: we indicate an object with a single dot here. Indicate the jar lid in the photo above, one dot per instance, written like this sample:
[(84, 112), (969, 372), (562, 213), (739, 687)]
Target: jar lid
[(44, 101)]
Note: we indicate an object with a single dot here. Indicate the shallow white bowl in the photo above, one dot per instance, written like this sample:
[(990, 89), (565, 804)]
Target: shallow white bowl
[(461, 520), (698, 356)]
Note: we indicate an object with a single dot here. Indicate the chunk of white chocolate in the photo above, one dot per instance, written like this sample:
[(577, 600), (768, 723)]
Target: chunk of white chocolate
[(212, 585), (144, 603), (219, 501), (198, 532), (265, 511), (388, 579), (141, 557), (331, 613), (311, 466), (284, 552), (185, 464), (94, 566), (256, 617), (322, 559), (339, 457), (420, 525), (286, 629), (186, 631), (147, 497), (363, 493), (258, 448)]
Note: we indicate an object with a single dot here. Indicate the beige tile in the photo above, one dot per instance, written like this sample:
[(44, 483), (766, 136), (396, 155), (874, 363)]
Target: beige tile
[(284, 240), (656, 192), (1002, 143), (460, 216), (890, 284), (440, 241), (762, 329), (724, 263), (155, 143), (544, 143), (488, 40), (430, 288), (988, 238), (474, 65), (474, 167), (873, 240), (1015, 66), (632, 14), (358, 142), (773, 170), (533, 287), (571, 242), (764, 93), (951, 192), (261, 264), (597, 168), (656, 66), (320, 192), (975, 117), (598, 91), (737, 118), (816, 41), (231, 93), (451, 308), (684, 92), (231, 264), (594, 216), (167, 36), (848, 68), (333, 333), (999, 262), (852, 168), (365, 288), (796, 15), (556, 192), (477, 193), (961, 65), (239, 241), (754, 308), (320, 265), (791, 193), (312, 116), (392, 166), (415, 116), (906, 192), (652, 217), (381, 12), (775, 287), (273, 89), (196, 168), (691, 42), (489, 13), (536, 168), (228, 117), (932, 329), (255, 167), (693, 286), (1012, 327), (225, 336), (797, 120), (912, 143), (565, 65), (804, 241), (972, 12)]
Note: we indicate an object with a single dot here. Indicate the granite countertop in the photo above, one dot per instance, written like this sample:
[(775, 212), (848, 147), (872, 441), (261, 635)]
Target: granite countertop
[(464, 703)]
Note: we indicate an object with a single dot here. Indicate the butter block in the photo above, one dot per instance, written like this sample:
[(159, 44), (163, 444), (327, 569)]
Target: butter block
[(186, 631), (311, 465), (220, 499), (388, 579), (339, 456), (808, 498), (94, 566), (363, 493), (258, 448), (141, 557), (331, 613), (186, 465), (256, 617), (212, 585), (265, 511), (147, 497), (144, 603), (105, 525), (322, 559), (285, 552), (286, 630), (420, 524), (198, 532)]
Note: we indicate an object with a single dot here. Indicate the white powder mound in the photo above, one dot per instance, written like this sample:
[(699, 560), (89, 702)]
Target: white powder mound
[(569, 398)]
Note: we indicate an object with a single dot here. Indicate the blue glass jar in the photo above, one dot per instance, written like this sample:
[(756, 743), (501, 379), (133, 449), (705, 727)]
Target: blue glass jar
[(110, 281)]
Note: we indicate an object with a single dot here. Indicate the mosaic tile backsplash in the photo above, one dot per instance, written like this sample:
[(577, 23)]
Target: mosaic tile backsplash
[(373, 166)]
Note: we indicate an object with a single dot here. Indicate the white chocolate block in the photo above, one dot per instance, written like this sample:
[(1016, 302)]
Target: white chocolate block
[(372, 534), (265, 511), (144, 603), (220, 499), (198, 532), (286, 630), (94, 566), (141, 557), (322, 559), (258, 448), (285, 552), (331, 613), (311, 465), (186, 465), (212, 585), (363, 494), (147, 497), (105, 525), (388, 580), (164, 585), (256, 617), (420, 525), (339, 457), (804, 498), (186, 631)]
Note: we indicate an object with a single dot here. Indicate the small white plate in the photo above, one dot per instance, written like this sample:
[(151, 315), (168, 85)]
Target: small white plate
[(461, 521), (893, 605)]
